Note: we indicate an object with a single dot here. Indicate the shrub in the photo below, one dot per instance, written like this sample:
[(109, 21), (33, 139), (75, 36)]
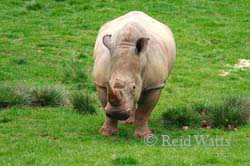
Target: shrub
[(233, 111), (124, 160), (182, 116), (10, 96), (83, 103), (75, 73), (20, 61), (47, 96), (33, 5)]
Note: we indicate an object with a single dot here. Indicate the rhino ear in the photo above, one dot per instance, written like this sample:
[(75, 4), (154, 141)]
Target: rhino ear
[(107, 42), (141, 45)]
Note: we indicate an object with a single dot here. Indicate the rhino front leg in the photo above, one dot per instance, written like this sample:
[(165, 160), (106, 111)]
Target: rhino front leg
[(145, 107), (110, 125)]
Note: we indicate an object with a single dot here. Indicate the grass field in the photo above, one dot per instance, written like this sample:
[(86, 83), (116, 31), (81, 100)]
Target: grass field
[(41, 41)]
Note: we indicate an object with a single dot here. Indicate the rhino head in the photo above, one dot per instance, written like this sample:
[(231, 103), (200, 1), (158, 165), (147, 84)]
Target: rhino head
[(126, 74)]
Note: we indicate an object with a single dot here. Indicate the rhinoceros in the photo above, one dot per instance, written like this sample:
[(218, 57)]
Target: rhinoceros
[(133, 57)]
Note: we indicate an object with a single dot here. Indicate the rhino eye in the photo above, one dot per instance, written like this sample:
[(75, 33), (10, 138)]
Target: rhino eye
[(133, 87)]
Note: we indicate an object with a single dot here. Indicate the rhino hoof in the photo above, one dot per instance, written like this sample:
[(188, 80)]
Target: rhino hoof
[(108, 131), (142, 134)]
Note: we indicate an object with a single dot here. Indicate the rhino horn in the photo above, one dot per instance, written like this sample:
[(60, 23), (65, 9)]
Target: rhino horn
[(114, 96)]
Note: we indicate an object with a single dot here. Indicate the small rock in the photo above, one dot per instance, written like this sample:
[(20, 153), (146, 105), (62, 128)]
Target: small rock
[(230, 127), (208, 127), (185, 128), (224, 73), (113, 157), (205, 124), (242, 64)]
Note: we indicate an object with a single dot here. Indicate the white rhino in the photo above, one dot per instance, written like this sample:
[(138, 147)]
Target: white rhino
[(134, 55)]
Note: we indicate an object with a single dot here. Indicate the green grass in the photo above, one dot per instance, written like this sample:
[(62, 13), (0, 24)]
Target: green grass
[(182, 116), (232, 112), (10, 96), (39, 39), (63, 137), (83, 103), (48, 96), (229, 113)]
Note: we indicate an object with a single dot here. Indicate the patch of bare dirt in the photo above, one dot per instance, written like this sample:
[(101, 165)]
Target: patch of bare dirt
[(223, 73), (243, 64)]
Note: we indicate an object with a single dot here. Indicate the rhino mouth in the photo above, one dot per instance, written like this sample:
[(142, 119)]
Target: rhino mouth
[(117, 106), (118, 115), (121, 112)]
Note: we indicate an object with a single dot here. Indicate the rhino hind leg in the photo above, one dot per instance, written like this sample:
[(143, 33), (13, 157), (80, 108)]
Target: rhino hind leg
[(143, 112), (110, 125)]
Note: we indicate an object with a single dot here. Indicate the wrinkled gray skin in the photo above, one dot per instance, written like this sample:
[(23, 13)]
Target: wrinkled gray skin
[(134, 55)]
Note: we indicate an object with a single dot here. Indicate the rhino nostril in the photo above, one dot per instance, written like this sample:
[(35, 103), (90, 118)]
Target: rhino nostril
[(118, 84), (128, 114), (108, 114)]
